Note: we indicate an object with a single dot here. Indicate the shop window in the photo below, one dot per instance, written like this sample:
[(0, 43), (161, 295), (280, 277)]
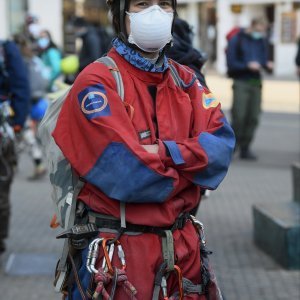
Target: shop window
[(16, 15)]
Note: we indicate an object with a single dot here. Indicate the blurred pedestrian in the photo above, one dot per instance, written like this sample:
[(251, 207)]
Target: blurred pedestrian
[(32, 28), (143, 161), (14, 93), (50, 55), (247, 56), (39, 78), (183, 51), (297, 60), (91, 44)]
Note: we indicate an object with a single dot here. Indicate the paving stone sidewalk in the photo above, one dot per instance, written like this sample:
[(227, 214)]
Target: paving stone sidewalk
[(243, 270)]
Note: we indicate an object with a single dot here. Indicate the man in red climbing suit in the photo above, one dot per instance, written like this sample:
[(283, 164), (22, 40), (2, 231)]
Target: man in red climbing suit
[(153, 151)]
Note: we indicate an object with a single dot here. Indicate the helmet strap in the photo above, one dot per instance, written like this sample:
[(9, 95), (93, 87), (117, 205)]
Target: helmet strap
[(122, 34)]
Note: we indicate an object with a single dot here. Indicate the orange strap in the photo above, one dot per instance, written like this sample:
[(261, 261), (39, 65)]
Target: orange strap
[(53, 223)]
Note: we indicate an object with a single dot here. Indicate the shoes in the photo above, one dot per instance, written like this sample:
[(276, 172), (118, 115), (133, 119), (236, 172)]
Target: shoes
[(38, 173), (247, 154)]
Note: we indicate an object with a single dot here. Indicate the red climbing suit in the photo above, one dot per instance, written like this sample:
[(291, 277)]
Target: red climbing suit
[(101, 136)]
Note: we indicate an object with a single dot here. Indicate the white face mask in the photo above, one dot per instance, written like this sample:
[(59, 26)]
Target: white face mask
[(150, 28)]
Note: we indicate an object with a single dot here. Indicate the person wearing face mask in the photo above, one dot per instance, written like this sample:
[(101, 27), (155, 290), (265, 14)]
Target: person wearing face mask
[(247, 57), (143, 161), (50, 55)]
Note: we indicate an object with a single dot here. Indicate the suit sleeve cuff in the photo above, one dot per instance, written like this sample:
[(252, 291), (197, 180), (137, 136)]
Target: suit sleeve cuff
[(173, 151)]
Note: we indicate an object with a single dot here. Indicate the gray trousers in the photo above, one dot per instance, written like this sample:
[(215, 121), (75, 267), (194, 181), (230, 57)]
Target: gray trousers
[(245, 111)]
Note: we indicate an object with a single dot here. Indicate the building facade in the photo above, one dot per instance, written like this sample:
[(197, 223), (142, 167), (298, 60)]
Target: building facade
[(284, 29), (211, 21), (13, 12)]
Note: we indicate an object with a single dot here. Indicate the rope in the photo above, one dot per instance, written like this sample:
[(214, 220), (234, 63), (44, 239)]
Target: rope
[(127, 286), (102, 278)]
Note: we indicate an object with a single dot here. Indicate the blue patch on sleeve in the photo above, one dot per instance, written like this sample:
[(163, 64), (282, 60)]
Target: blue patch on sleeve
[(219, 148), (93, 102), (122, 176), (174, 152)]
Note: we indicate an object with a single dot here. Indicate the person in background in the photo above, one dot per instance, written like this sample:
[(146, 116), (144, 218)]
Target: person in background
[(32, 28), (14, 92), (91, 43), (183, 51), (39, 78), (247, 57), (297, 60), (50, 55)]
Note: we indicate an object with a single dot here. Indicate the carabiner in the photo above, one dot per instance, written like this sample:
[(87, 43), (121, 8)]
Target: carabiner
[(93, 255), (180, 282), (107, 258), (200, 228)]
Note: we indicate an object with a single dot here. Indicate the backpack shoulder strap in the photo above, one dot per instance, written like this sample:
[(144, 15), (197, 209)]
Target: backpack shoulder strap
[(112, 66), (175, 75)]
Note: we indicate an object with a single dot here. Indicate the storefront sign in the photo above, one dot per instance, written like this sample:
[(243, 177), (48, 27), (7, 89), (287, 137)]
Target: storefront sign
[(236, 8), (288, 27)]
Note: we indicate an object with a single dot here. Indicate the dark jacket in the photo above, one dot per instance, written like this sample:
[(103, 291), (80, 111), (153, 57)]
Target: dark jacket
[(242, 49), (91, 48), (14, 84), (298, 55), (183, 51)]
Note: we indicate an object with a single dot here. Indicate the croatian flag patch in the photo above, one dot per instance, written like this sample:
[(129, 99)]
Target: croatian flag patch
[(209, 100), (93, 102)]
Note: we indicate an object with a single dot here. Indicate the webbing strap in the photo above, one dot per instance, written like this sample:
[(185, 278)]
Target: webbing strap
[(62, 266), (156, 292), (123, 214), (167, 244), (175, 75), (177, 79), (190, 288), (109, 62)]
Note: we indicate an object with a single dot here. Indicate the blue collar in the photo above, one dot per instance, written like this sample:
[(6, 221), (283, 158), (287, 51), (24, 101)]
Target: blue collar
[(137, 60)]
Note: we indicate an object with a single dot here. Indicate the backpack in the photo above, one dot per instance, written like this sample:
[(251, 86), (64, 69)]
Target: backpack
[(65, 183), (236, 31)]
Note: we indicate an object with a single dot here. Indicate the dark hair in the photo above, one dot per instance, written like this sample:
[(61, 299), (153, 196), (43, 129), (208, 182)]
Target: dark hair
[(114, 7), (51, 44), (79, 22), (258, 21)]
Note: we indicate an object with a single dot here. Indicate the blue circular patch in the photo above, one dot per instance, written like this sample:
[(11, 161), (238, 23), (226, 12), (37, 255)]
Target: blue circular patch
[(93, 102)]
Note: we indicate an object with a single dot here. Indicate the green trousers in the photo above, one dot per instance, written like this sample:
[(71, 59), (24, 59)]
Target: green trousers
[(245, 111)]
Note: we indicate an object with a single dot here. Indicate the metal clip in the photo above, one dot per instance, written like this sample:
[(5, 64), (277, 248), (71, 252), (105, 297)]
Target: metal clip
[(200, 229), (180, 283), (93, 254), (163, 286)]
